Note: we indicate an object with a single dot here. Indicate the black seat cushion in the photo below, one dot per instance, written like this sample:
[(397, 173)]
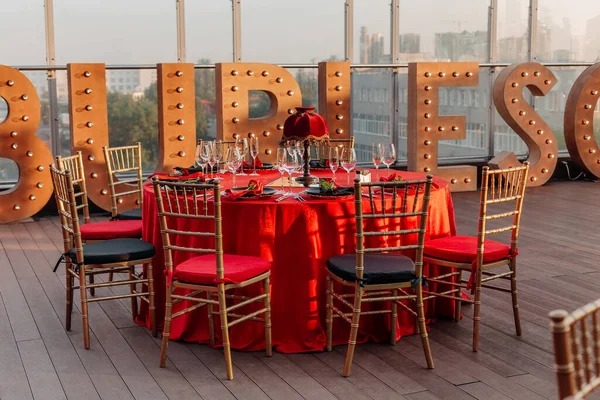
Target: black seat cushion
[(133, 214), (114, 251), (379, 268)]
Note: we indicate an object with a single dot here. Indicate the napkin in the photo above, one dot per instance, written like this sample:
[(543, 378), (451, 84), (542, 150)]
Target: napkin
[(184, 176), (392, 178), (254, 187), (327, 185), (248, 164)]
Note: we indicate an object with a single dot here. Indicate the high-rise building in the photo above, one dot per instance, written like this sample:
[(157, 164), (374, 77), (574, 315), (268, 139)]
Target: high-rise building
[(372, 47), (130, 81), (410, 43), (461, 46), (513, 48)]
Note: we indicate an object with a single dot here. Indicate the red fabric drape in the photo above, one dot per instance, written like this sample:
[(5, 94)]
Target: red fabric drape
[(297, 238)]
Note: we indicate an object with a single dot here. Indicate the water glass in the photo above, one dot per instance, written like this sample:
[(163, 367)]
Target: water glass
[(254, 153), (348, 160), (233, 162), (388, 154)]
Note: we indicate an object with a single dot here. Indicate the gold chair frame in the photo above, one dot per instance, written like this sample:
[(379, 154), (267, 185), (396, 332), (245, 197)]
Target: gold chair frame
[(123, 159), (577, 365), (188, 192), (498, 187), (365, 293), (76, 269)]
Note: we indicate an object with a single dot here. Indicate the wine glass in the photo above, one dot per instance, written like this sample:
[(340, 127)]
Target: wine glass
[(348, 159), (200, 160), (218, 152), (233, 162), (281, 162), (334, 159), (388, 154), (254, 153), (207, 150), (300, 150), (242, 146), (376, 156), (291, 165)]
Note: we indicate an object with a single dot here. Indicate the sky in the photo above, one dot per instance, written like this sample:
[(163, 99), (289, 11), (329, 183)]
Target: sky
[(274, 31)]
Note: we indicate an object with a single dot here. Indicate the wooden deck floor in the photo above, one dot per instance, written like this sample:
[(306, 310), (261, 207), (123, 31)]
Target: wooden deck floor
[(559, 251)]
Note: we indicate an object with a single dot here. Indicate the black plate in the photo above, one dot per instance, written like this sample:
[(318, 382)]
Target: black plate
[(266, 192), (340, 192), (265, 166)]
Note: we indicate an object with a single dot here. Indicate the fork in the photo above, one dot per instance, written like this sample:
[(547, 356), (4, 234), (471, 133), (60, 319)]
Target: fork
[(299, 198)]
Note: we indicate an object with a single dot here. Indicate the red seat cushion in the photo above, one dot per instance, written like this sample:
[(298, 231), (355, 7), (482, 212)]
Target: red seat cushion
[(203, 269), (111, 230), (463, 249)]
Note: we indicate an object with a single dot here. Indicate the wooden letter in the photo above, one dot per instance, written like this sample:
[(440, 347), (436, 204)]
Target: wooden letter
[(334, 97), (19, 143), (176, 116), (522, 118), (426, 127), (579, 120), (234, 81)]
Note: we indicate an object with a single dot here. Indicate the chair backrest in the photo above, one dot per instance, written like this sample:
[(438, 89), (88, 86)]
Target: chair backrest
[(124, 159), (502, 188), (74, 164), (576, 339), (321, 149), (64, 192), (401, 215), (177, 202)]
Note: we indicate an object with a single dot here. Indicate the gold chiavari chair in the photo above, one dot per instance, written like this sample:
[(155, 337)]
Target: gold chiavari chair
[(576, 339), (121, 160), (83, 261), (211, 274), (502, 192), (378, 273), (91, 231)]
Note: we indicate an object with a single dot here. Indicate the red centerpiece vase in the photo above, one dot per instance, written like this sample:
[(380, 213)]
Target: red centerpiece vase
[(306, 126)]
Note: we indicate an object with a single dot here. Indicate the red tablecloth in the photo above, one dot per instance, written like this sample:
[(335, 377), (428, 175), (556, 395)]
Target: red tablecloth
[(298, 238)]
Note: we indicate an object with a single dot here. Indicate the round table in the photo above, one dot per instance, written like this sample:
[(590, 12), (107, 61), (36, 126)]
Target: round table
[(297, 238)]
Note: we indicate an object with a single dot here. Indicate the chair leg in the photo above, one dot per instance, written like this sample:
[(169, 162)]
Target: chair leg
[(225, 331), (358, 293), (458, 303), (267, 289), (167, 327), (84, 306), (151, 305), (134, 305), (477, 309), (422, 326), (393, 318), (110, 276), (69, 302), (92, 290), (211, 320), (329, 317), (514, 293)]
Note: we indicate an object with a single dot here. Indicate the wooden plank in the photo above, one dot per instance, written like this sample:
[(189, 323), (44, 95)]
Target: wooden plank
[(170, 380), (331, 379), (180, 357), (360, 377), (480, 390), (241, 386), (302, 382), (41, 375), (13, 380)]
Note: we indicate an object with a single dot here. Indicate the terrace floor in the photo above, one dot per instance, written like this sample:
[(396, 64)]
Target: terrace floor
[(559, 268)]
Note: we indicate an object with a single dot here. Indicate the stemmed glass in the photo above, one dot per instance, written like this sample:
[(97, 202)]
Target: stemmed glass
[(334, 160), (254, 153), (291, 165), (242, 146), (300, 150), (201, 161), (233, 161), (218, 152), (376, 156), (388, 154), (292, 151), (207, 151), (348, 158), (281, 162)]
